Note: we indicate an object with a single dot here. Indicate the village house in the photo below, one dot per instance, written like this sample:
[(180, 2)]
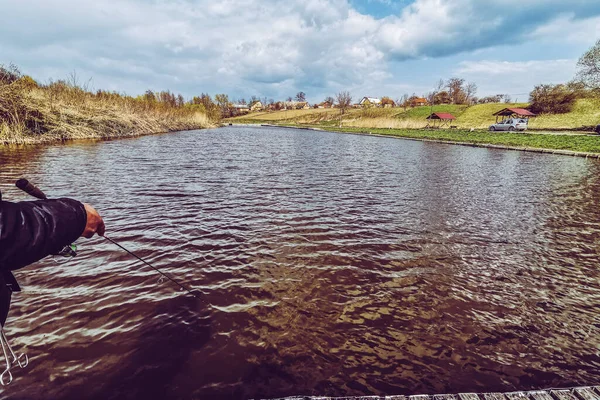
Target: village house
[(418, 101), (370, 102), (296, 105), (241, 108), (325, 104), (256, 106)]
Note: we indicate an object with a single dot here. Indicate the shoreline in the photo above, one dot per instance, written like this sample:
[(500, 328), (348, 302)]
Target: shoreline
[(53, 140), (405, 134)]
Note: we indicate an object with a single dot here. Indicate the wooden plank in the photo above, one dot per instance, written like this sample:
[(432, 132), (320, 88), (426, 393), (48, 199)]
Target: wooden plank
[(586, 393), (419, 397), (444, 397), (517, 396), (540, 395), (468, 396), (563, 394), (494, 396)]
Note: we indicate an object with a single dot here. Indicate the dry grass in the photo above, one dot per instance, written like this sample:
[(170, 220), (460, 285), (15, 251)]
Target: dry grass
[(58, 112), (284, 115), (385, 123), (585, 114)]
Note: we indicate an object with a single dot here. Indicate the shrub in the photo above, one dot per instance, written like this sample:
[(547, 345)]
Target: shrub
[(553, 99), (9, 74)]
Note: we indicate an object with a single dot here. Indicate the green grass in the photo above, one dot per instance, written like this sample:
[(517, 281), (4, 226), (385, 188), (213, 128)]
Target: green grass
[(423, 112), (481, 116), (586, 113), (581, 143)]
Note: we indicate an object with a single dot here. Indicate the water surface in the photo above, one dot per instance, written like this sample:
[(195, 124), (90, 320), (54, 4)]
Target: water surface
[(329, 264)]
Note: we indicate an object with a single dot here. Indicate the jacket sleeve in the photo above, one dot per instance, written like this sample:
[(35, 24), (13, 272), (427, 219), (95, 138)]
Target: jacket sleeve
[(31, 230)]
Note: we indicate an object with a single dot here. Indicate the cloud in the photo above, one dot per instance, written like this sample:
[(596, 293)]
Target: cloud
[(436, 28), (515, 78), (265, 47)]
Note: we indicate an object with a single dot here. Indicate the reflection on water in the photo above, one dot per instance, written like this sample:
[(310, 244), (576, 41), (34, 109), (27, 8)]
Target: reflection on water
[(328, 264)]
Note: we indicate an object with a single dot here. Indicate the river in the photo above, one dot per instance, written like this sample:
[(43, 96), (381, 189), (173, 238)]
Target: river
[(328, 264)]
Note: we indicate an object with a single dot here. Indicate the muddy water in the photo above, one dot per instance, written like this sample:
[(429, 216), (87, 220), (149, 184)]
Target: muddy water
[(328, 264)]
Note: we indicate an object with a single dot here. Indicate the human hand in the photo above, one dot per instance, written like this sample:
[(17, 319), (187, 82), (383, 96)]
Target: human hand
[(95, 224)]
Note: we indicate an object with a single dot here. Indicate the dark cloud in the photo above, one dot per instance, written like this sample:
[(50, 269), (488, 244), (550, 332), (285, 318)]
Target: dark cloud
[(268, 47)]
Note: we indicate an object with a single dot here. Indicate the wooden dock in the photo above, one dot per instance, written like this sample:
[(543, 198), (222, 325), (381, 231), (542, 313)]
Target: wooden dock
[(577, 393)]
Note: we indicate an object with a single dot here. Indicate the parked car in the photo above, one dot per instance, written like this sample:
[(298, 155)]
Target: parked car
[(511, 124)]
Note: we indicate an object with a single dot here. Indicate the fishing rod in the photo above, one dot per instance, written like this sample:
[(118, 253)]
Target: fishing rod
[(181, 285), (70, 250)]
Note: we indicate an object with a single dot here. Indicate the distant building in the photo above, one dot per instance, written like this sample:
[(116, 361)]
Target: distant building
[(296, 105), (370, 102), (256, 106), (241, 108), (439, 119), (325, 104), (418, 101)]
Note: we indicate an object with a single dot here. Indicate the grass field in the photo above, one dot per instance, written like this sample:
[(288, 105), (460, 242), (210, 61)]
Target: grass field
[(581, 143), (586, 113)]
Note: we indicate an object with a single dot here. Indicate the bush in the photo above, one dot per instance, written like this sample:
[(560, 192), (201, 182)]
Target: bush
[(553, 99), (9, 74)]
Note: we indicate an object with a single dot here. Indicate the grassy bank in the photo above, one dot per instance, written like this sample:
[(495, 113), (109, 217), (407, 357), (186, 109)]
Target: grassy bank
[(580, 143), (32, 113), (585, 113)]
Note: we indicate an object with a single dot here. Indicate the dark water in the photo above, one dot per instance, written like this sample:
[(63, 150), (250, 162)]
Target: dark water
[(329, 264)]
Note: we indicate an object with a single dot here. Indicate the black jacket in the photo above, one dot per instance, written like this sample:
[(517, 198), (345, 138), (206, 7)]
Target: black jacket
[(32, 230)]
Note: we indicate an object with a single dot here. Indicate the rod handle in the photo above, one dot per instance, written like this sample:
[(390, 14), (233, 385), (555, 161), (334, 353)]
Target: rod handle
[(30, 189)]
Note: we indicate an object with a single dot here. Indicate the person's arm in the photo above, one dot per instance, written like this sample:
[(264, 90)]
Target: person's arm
[(32, 230)]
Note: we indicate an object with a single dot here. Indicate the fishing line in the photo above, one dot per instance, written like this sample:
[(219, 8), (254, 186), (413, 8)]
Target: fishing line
[(153, 267)]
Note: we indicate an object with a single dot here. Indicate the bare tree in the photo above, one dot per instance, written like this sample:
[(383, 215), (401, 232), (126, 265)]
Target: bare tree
[(589, 66), (344, 100), (404, 101), (456, 90), (329, 100), (470, 90), (439, 85), (300, 96)]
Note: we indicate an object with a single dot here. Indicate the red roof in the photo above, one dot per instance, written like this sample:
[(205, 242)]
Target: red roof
[(518, 111), (440, 115)]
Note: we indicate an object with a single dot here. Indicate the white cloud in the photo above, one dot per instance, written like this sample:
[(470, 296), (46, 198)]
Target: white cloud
[(515, 78), (269, 47)]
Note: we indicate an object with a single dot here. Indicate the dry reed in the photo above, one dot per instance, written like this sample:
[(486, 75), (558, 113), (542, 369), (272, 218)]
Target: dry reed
[(65, 111)]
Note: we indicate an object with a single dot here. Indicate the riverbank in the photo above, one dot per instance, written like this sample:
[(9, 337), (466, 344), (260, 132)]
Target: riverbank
[(568, 144), (584, 116), (61, 111)]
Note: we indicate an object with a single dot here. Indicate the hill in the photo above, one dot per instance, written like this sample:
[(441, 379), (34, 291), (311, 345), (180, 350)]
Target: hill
[(585, 113)]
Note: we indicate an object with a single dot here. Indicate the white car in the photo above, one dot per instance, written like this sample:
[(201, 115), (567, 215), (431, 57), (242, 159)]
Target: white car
[(511, 124)]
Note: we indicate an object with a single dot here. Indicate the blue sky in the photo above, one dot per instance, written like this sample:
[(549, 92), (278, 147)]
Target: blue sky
[(275, 48)]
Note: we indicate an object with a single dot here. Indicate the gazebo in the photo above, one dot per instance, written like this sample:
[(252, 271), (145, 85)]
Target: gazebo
[(439, 119), (514, 113)]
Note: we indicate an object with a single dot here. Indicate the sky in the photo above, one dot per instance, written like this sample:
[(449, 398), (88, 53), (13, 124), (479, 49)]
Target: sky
[(276, 48)]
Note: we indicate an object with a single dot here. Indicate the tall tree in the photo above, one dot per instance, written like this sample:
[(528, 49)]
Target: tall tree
[(344, 100), (470, 91), (222, 101), (456, 90), (403, 101), (589, 66), (300, 96)]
